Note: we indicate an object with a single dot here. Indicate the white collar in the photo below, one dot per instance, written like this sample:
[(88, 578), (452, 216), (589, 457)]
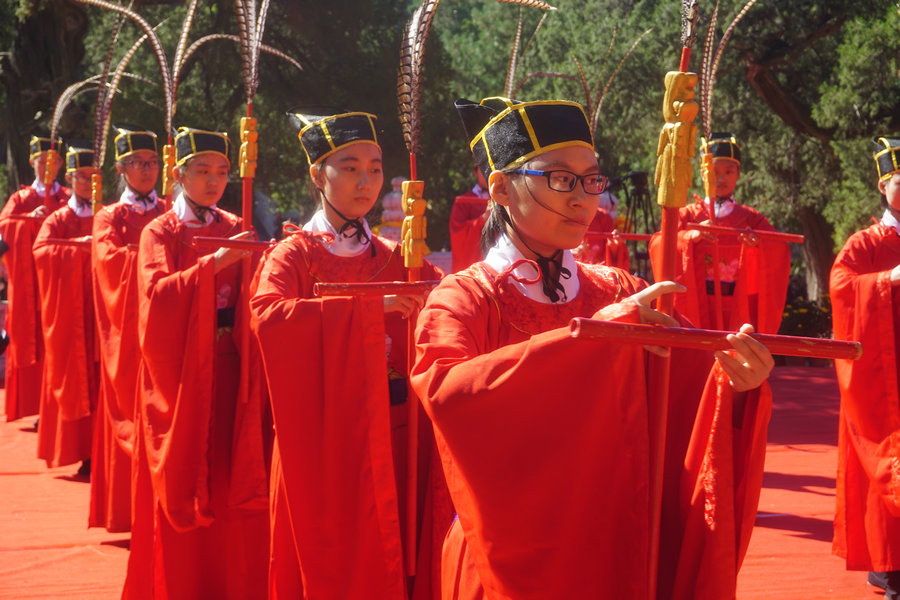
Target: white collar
[(341, 245), (129, 197), (40, 188), (80, 210), (480, 191), (888, 220), (503, 254), (723, 208), (186, 214)]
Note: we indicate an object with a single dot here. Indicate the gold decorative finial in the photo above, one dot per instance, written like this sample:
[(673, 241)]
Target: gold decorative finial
[(676, 140), (414, 224)]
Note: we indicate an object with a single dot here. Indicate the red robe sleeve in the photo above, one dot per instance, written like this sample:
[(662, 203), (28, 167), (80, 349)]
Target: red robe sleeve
[(466, 222), (116, 299), (63, 277), (718, 493), (177, 327), (23, 313), (864, 308), (545, 448), (332, 431)]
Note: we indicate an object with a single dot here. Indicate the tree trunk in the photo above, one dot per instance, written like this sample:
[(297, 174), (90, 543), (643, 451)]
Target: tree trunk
[(818, 250)]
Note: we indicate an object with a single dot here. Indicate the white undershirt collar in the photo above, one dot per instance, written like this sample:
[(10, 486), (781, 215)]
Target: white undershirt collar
[(888, 220), (186, 214), (80, 210), (723, 208), (503, 254), (129, 197), (341, 245), (40, 188), (480, 191)]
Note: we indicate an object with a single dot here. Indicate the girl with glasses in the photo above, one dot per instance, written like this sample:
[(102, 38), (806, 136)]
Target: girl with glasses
[(544, 438)]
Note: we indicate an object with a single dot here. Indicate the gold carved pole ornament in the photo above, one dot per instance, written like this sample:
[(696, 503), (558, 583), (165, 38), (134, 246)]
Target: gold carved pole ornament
[(414, 225), (168, 171), (50, 159), (96, 192), (248, 152), (674, 170)]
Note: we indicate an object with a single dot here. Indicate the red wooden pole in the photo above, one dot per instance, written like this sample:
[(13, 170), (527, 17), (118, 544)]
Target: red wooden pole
[(214, 242), (780, 236), (246, 275), (717, 271), (659, 367), (374, 288), (637, 237), (68, 242), (708, 339)]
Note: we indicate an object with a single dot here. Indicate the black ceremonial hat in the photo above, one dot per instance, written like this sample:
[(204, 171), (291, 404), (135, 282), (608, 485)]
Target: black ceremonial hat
[(322, 136), (79, 157), (129, 140), (38, 145), (507, 133), (887, 156), (190, 142), (721, 145)]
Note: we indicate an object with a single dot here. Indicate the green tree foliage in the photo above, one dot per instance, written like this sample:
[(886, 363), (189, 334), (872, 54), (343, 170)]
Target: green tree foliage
[(804, 84)]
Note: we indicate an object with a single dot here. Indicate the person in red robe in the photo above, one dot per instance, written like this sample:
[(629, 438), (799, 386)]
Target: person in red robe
[(543, 437), (753, 272), (467, 217), (336, 370), (115, 236), (70, 377), (200, 445), (20, 220), (603, 250), (865, 300)]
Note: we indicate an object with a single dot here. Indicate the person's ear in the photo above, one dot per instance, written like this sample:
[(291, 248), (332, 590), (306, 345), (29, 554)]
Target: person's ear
[(882, 187), (500, 185), (315, 174), (178, 173), (119, 168), (70, 177)]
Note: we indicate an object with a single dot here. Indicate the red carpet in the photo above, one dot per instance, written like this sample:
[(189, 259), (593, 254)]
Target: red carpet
[(47, 551), (46, 548), (790, 552)]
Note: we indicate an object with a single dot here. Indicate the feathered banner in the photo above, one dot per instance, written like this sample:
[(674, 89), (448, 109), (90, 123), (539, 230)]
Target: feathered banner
[(710, 63), (409, 97)]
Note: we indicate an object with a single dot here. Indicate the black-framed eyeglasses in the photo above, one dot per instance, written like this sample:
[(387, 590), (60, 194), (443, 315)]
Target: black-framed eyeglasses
[(142, 164), (559, 180)]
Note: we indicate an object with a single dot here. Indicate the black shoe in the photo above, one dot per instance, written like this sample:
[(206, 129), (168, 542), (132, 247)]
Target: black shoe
[(84, 471), (4, 341), (889, 581), (878, 579)]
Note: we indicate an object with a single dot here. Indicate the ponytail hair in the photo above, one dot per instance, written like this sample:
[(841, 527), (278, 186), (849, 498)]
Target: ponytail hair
[(496, 221), (493, 227)]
